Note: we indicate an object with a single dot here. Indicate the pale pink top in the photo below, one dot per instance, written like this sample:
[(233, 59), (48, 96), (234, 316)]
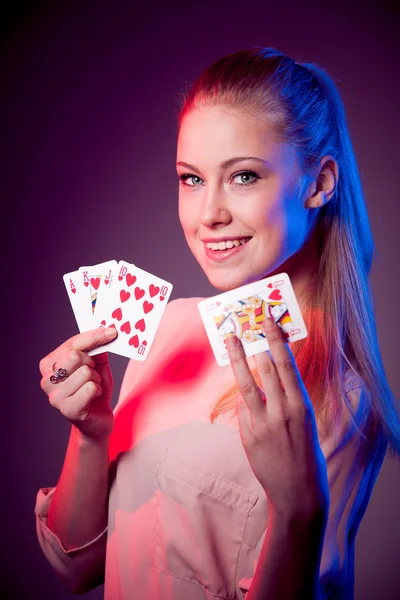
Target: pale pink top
[(187, 516)]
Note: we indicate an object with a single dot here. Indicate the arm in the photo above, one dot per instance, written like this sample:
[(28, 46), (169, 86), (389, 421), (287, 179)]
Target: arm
[(312, 482), (288, 566), (352, 467), (279, 435), (78, 511), (72, 518)]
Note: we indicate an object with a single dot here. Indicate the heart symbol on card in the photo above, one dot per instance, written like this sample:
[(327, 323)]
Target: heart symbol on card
[(124, 295), (106, 281), (144, 343), (275, 295), (139, 293), (130, 279), (85, 283), (140, 325), (120, 277), (147, 307), (162, 298), (270, 285), (95, 281), (103, 322), (126, 327), (153, 289), (116, 314), (73, 290), (134, 341)]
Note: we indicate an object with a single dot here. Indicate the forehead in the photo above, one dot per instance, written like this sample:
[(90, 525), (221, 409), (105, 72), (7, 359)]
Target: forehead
[(214, 134)]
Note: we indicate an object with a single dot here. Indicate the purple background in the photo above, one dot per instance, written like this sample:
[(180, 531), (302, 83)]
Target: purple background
[(89, 96)]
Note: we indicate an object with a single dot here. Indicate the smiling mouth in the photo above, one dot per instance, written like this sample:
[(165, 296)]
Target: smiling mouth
[(226, 245)]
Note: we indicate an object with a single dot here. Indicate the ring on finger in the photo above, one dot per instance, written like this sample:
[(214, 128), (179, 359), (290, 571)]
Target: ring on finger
[(59, 374)]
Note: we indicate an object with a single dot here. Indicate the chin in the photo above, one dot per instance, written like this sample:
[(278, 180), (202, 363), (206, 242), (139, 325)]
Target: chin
[(229, 279)]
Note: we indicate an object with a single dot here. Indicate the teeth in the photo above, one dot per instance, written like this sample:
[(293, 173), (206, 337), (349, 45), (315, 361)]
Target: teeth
[(226, 245)]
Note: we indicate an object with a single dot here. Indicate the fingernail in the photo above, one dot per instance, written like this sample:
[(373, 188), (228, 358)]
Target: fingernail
[(231, 341), (110, 331)]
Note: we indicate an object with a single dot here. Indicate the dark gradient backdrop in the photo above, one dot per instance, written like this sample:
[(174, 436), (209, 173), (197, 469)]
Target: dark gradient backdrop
[(89, 96)]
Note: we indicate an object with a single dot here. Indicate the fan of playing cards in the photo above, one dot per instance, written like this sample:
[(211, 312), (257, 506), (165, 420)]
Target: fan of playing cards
[(122, 295)]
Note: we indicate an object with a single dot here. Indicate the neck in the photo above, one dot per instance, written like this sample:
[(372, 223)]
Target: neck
[(302, 268)]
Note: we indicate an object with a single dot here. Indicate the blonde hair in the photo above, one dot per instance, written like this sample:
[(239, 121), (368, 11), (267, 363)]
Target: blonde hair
[(303, 103)]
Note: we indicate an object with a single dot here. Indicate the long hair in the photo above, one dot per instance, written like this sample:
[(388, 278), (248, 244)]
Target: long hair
[(302, 103)]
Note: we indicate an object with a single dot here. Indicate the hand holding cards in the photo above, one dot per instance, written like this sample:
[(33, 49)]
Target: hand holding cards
[(241, 312), (121, 295)]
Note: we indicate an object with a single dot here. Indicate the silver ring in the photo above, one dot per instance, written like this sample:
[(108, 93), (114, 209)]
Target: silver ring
[(59, 374)]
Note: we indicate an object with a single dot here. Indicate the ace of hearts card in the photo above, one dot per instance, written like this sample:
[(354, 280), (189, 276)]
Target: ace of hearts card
[(84, 286)]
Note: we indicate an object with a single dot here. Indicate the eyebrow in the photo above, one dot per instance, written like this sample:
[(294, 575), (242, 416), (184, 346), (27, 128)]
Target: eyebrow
[(227, 163)]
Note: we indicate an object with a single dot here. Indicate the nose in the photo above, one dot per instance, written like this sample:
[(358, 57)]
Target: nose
[(214, 210)]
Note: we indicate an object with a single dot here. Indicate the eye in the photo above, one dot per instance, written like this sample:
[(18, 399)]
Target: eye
[(189, 180), (185, 177), (245, 175)]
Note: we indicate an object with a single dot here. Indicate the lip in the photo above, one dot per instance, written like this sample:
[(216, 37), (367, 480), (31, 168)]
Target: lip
[(221, 255)]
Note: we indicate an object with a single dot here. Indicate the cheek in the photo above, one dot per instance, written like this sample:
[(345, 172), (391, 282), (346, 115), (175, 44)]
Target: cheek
[(187, 216), (279, 209), (269, 216), (182, 213)]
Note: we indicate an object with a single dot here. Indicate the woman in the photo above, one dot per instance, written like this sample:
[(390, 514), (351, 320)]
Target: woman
[(248, 480)]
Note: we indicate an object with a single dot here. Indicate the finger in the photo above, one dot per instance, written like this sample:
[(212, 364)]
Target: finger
[(103, 368), (247, 386), (81, 342), (284, 361), (71, 361), (76, 407), (92, 338), (275, 397), (72, 384)]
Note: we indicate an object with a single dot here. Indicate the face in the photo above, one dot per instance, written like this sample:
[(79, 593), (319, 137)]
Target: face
[(240, 196)]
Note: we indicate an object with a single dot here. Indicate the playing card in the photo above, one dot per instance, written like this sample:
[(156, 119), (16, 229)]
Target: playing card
[(98, 280), (83, 287), (134, 306), (79, 296), (242, 311)]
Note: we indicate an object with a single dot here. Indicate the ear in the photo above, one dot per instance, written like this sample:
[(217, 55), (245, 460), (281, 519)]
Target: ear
[(324, 185)]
